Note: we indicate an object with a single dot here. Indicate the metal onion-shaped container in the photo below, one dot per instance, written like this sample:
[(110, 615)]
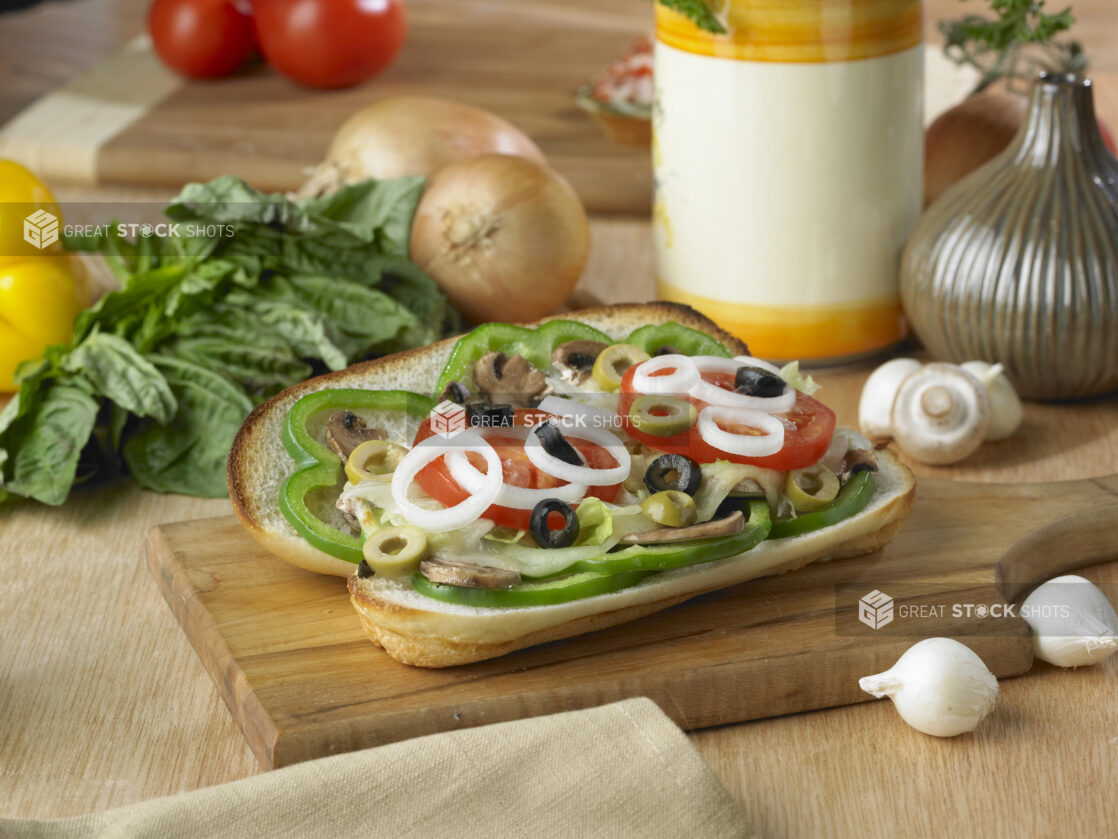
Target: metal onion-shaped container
[(1018, 262)]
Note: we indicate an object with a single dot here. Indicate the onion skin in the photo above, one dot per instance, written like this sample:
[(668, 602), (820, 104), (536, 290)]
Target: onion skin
[(964, 137), (976, 130), (505, 237), (414, 135)]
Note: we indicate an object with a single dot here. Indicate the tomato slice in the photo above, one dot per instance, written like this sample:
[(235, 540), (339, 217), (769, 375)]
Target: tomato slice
[(436, 481), (808, 428)]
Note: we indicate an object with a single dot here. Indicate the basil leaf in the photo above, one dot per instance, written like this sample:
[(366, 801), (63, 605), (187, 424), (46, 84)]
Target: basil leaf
[(248, 294), (353, 308), (120, 373), (188, 455), (255, 368), (47, 458)]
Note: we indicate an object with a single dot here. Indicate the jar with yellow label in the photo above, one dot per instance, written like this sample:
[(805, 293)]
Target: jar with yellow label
[(788, 162)]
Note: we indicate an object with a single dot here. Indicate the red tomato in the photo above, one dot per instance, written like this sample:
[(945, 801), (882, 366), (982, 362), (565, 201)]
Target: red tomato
[(518, 471), (1107, 138), (203, 39), (330, 43), (808, 429)]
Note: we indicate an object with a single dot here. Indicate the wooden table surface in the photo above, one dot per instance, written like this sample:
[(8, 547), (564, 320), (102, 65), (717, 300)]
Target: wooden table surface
[(104, 702)]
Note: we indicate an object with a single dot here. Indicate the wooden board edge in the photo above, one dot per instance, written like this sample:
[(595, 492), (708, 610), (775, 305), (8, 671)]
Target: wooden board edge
[(201, 630), (798, 685)]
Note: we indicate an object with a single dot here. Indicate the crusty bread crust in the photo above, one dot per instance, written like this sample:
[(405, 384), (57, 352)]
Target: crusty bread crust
[(427, 633)]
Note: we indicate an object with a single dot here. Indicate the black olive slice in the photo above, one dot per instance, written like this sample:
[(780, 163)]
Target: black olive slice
[(455, 392), (556, 445), (658, 477), (484, 415), (539, 525), (752, 381), (364, 571)]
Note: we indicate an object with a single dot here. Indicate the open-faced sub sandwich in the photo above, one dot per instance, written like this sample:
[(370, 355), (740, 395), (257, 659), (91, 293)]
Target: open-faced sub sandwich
[(519, 485)]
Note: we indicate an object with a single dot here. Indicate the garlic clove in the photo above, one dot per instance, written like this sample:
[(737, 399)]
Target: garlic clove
[(1006, 411), (1072, 621), (939, 687), (940, 414), (875, 408)]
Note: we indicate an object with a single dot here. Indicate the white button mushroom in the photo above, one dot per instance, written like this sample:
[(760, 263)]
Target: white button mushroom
[(940, 414), (1006, 412), (875, 409)]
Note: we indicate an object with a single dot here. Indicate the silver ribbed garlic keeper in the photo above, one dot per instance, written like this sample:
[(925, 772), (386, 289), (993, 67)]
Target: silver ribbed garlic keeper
[(1018, 262)]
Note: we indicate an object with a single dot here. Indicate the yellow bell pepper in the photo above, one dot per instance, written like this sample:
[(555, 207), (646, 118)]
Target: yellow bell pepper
[(39, 298)]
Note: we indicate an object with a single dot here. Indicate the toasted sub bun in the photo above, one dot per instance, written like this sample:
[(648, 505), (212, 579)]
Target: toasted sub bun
[(417, 630)]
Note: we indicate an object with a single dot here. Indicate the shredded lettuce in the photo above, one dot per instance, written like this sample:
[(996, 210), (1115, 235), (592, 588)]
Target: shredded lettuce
[(595, 522), (505, 535), (802, 382)]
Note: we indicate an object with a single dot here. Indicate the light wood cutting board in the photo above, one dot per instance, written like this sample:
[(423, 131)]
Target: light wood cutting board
[(301, 680)]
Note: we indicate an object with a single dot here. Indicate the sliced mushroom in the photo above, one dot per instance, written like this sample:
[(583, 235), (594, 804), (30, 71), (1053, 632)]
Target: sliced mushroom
[(727, 526), (748, 488), (940, 414), (454, 573), (510, 379), (346, 507), (345, 431), (455, 392), (575, 359), (859, 460)]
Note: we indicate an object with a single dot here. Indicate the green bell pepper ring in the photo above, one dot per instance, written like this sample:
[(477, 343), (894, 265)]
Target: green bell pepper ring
[(540, 593), (679, 554), (613, 572), (852, 498), (536, 345), (688, 341), (318, 468)]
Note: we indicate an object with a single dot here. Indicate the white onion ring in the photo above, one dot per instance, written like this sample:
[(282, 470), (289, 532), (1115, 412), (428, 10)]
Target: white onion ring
[(471, 479), (714, 395), (564, 471), (678, 383), (745, 445), (561, 407), (450, 518), (750, 361)]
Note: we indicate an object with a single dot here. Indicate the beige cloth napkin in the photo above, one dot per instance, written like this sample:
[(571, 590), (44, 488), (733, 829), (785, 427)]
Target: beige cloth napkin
[(615, 771)]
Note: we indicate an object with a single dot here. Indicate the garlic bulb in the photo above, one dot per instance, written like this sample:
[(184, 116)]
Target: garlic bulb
[(1072, 621), (1006, 412), (938, 686), (875, 408)]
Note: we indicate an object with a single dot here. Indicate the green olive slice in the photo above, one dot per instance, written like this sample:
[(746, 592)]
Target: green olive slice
[(811, 488), (663, 416), (671, 508), (613, 361), (372, 458), (395, 551)]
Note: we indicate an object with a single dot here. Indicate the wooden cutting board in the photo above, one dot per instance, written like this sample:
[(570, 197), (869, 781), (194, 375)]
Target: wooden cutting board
[(285, 649), (132, 121)]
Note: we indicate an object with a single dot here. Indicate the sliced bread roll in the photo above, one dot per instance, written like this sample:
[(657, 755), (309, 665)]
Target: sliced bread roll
[(417, 630)]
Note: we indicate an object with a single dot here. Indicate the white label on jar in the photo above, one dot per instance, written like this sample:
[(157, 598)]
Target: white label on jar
[(786, 183)]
